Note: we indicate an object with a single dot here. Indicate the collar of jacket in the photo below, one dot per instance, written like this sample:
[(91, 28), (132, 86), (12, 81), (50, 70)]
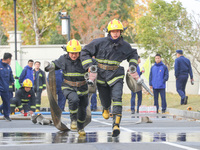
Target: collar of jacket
[(28, 67), (159, 64), (5, 64), (120, 41)]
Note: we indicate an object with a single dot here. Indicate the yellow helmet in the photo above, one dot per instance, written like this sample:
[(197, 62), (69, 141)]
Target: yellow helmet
[(27, 83), (73, 46), (115, 25)]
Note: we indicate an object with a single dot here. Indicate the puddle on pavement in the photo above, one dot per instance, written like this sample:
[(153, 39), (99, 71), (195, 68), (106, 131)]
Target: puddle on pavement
[(99, 137)]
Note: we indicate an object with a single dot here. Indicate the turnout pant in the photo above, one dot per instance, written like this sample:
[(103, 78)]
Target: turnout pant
[(107, 93), (163, 98), (77, 106), (6, 103), (133, 95), (16, 103), (38, 98), (181, 82)]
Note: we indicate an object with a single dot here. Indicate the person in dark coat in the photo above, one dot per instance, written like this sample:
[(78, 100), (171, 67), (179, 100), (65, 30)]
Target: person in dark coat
[(109, 52), (182, 68), (24, 99), (5, 78), (157, 80), (39, 83), (74, 86)]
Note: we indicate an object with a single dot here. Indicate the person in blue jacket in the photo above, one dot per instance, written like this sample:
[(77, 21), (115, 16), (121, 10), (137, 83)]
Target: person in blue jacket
[(59, 81), (5, 77), (157, 79), (93, 105), (182, 68), (27, 72), (139, 93)]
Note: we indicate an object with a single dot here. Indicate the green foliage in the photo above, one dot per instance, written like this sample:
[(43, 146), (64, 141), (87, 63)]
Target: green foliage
[(4, 40), (56, 38), (161, 28)]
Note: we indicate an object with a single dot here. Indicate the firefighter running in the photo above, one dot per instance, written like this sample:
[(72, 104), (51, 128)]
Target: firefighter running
[(74, 87), (24, 99), (109, 52)]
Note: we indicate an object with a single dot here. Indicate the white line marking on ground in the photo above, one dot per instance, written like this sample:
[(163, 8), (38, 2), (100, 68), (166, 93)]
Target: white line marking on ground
[(179, 146), (125, 129), (129, 130)]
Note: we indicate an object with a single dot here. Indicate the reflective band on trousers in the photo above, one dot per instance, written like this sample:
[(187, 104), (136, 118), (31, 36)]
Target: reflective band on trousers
[(37, 105), (12, 105), (117, 103), (73, 111), (75, 74), (81, 121), (115, 78), (107, 61), (133, 60), (25, 100), (82, 93), (87, 61), (33, 107)]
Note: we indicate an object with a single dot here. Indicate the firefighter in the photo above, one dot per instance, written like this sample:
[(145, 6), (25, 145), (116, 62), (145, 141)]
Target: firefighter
[(23, 97), (39, 83), (109, 52), (74, 86)]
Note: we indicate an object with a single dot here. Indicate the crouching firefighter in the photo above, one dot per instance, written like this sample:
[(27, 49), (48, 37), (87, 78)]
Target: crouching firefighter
[(109, 52), (24, 99), (74, 86)]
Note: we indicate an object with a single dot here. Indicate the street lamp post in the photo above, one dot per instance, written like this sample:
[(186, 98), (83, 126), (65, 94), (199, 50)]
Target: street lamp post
[(15, 16), (65, 24)]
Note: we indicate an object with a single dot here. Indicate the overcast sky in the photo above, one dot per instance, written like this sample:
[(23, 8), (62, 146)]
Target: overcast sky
[(190, 5)]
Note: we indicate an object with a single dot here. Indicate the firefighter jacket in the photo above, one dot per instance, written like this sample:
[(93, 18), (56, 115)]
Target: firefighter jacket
[(25, 98), (73, 72), (5, 76), (39, 82), (109, 53)]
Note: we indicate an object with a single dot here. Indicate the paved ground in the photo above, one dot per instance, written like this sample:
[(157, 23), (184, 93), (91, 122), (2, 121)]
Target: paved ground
[(166, 132)]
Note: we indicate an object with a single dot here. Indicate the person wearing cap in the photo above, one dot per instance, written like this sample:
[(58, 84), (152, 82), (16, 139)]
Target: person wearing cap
[(139, 93), (24, 99), (182, 68), (109, 52), (74, 86)]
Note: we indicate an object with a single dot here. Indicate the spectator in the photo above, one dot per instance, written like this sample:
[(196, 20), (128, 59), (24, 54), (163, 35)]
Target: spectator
[(5, 77), (182, 68), (157, 79), (93, 105), (27, 72), (139, 93), (39, 83)]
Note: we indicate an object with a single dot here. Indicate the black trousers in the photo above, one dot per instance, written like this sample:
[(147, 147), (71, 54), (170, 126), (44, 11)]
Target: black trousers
[(77, 106), (113, 93), (38, 98)]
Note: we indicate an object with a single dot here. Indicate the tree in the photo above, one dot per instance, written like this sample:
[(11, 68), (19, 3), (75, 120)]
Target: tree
[(190, 42), (161, 28), (36, 17), (90, 17)]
